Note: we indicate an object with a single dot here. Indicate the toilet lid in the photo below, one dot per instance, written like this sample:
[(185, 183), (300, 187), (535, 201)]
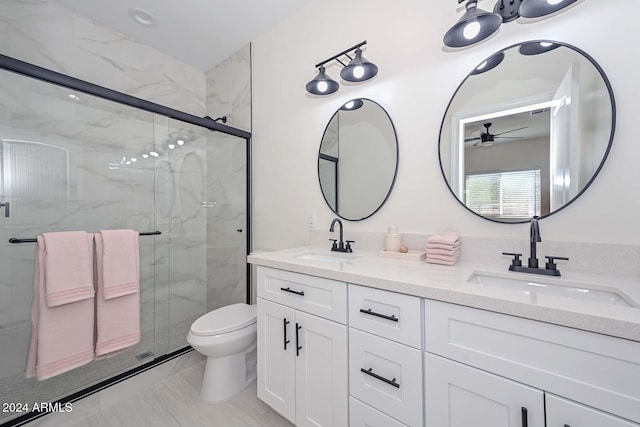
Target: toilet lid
[(225, 319)]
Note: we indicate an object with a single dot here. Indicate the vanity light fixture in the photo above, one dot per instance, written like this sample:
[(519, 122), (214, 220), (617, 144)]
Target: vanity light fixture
[(322, 84), (537, 8), (359, 69), (489, 64), (477, 24), (474, 26), (352, 105), (536, 48)]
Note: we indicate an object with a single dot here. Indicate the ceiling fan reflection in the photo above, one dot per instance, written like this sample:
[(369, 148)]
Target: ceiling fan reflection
[(486, 139)]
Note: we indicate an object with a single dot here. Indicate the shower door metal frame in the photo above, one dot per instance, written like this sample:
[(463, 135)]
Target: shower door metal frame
[(30, 70)]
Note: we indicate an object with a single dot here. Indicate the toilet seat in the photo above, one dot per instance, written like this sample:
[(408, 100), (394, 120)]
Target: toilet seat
[(224, 320)]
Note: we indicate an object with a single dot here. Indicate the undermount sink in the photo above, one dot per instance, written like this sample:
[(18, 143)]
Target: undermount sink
[(534, 287), (326, 257)]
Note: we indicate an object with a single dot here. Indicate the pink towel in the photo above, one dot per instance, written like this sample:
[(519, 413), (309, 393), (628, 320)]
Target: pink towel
[(446, 252), (68, 267), (62, 336), (120, 259), (117, 319), (454, 258), (444, 238), (444, 245), (441, 262)]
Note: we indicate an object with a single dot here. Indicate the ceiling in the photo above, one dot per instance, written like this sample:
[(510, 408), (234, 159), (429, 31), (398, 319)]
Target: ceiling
[(202, 33)]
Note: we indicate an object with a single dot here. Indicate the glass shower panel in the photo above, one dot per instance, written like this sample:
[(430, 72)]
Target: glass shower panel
[(71, 161), (226, 220), (184, 157)]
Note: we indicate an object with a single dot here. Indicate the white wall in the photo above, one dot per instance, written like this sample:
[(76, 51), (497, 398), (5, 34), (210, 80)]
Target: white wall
[(416, 80)]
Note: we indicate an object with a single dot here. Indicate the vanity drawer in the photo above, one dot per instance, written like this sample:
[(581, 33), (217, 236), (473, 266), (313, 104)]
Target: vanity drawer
[(386, 375), (388, 314), (561, 412), (361, 415), (323, 297), (597, 370)]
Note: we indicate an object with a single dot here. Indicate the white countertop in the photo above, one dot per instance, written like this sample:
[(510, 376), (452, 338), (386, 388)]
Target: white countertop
[(449, 284)]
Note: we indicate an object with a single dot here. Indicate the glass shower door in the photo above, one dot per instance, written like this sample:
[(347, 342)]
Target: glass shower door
[(69, 161)]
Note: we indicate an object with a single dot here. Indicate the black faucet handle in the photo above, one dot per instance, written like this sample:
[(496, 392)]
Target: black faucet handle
[(348, 246), (515, 262), (334, 246), (551, 265)]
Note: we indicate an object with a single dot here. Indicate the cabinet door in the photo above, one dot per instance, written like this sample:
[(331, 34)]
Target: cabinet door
[(276, 365), (460, 396), (321, 372), (361, 415), (564, 413)]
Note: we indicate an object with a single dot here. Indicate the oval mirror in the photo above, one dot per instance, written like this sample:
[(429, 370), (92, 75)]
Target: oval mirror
[(358, 159), (527, 131)]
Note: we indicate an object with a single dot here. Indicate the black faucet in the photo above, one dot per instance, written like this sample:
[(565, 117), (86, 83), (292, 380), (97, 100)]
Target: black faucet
[(340, 247), (551, 269), (534, 239)]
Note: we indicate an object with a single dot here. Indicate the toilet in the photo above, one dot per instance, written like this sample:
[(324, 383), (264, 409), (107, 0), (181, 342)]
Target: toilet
[(227, 336)]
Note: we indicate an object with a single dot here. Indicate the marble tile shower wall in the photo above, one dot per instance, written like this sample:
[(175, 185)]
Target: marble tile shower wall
[(229, 89), (228, 94), (91, 134), (45, 33)]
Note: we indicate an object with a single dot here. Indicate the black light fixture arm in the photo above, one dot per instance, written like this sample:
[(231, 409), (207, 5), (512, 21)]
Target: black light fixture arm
[(343, 53)]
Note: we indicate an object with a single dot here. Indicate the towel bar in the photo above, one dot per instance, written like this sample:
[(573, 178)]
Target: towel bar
[(14, 240)]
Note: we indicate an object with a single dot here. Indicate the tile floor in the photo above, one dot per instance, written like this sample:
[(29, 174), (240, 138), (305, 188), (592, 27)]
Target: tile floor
[(175, 401)]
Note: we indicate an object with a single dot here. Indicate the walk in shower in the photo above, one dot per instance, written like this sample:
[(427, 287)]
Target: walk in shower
[(72, 158)]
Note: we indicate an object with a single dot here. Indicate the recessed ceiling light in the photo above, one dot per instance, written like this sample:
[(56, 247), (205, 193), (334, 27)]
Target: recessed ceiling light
[(143, 17)]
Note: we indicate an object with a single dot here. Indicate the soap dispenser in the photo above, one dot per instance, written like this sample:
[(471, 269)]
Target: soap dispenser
[(392, 240)]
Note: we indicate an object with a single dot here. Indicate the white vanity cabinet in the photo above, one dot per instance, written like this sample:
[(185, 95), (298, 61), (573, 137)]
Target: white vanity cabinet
[(564, 413), (302, 357), (492, 363), (385, 358), (457, 395)]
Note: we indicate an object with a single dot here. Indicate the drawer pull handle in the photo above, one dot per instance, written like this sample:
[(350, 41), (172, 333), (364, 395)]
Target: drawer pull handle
[(292, 291), (286, 341), (393, 317), (378, 377), (298, 347), (525, 418)]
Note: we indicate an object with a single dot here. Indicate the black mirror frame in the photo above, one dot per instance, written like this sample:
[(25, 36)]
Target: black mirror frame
[(395, 173), (604, 157)]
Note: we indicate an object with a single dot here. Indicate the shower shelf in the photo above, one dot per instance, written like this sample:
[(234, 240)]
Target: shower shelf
[(14, 240)]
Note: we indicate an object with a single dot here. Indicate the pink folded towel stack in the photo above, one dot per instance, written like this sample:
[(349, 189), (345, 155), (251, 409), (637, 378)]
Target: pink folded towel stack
[(444, 249), (63, 306), (118, 291)]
